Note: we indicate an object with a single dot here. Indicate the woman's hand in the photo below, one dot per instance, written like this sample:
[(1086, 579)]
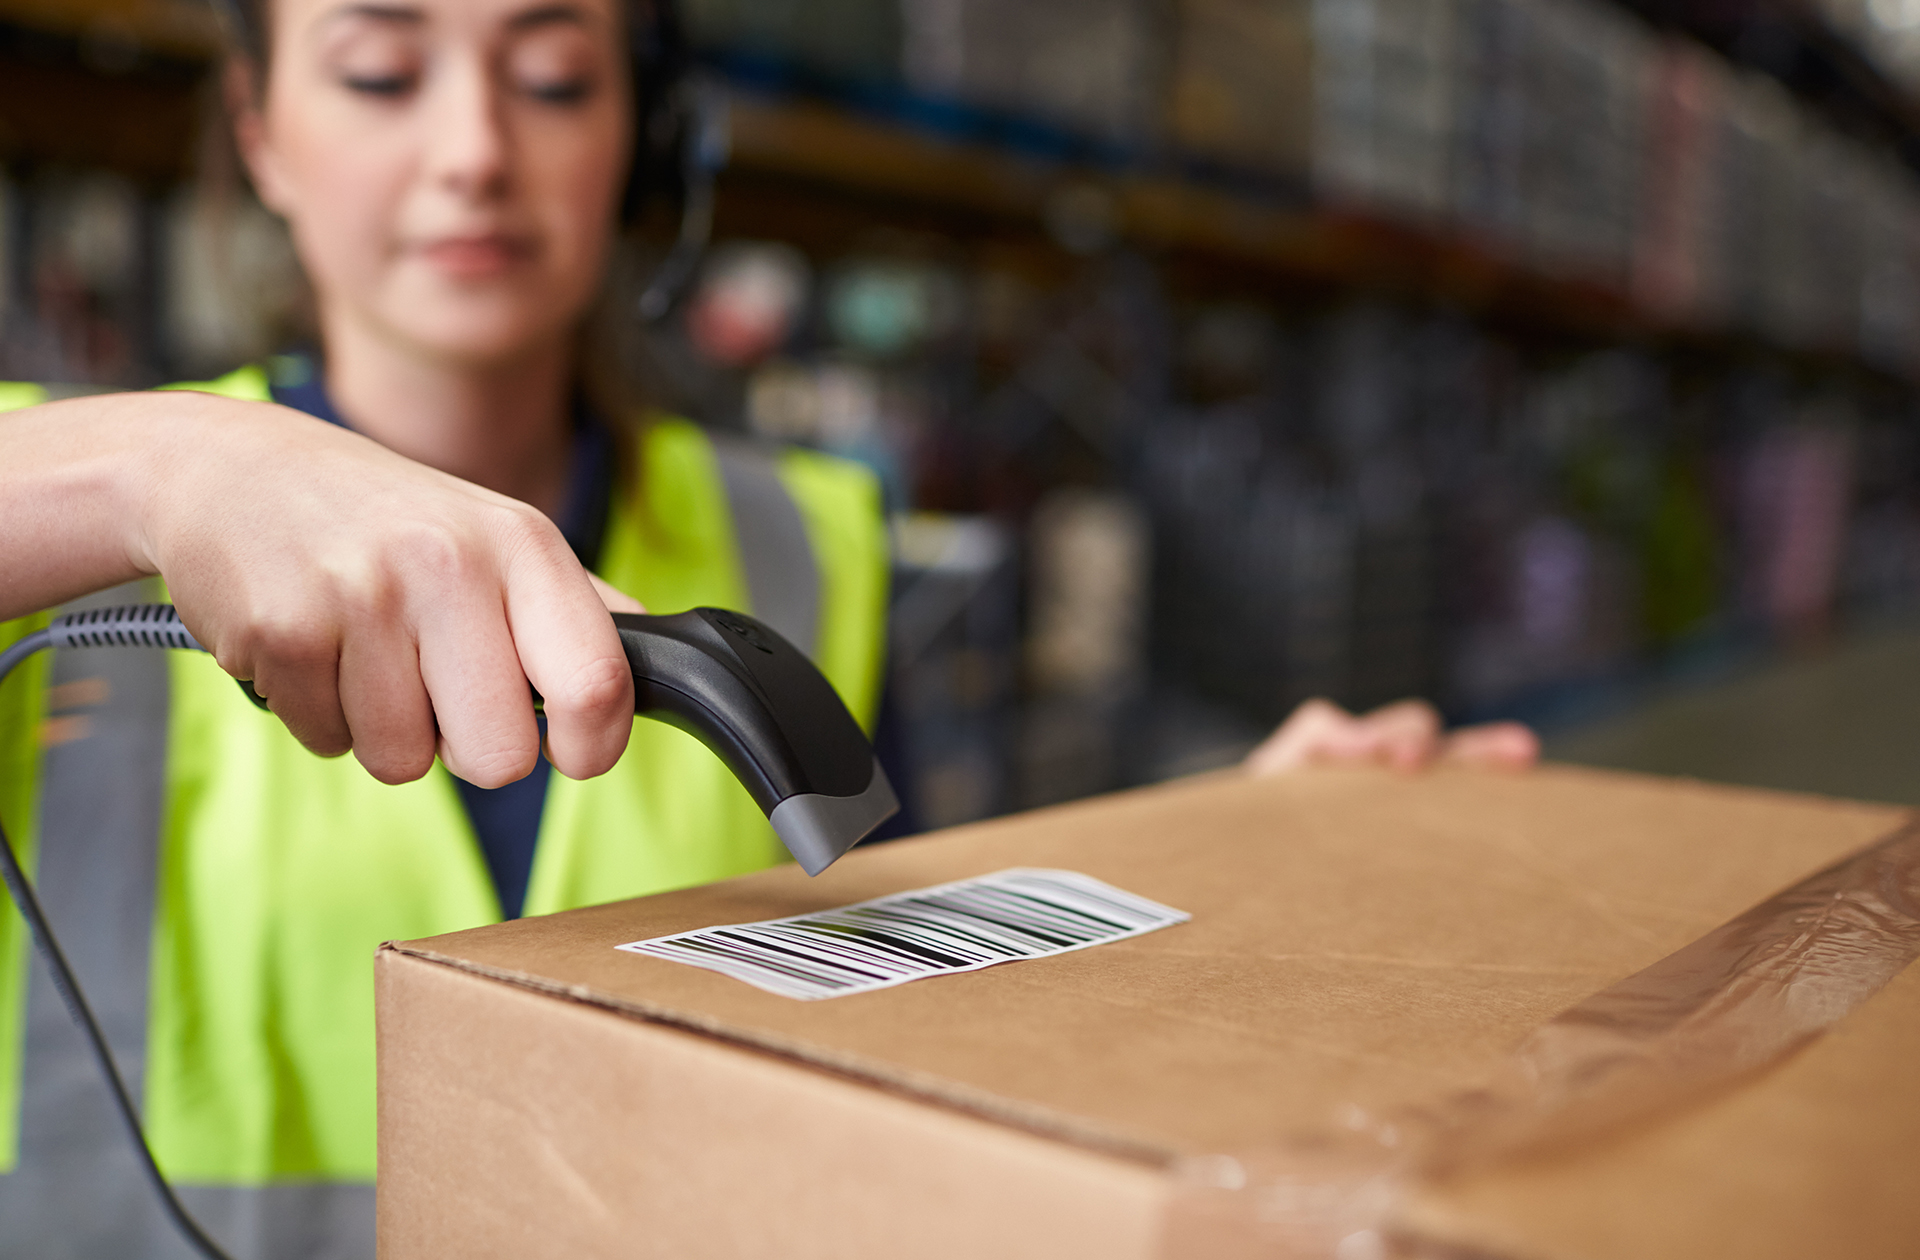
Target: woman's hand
[(1405, 736), (379, 605)]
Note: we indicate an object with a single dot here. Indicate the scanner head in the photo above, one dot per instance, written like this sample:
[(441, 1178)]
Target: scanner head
[(737, 686)]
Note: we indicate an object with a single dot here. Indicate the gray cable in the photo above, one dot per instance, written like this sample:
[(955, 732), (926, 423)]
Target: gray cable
[(21, 650), (140, 625)]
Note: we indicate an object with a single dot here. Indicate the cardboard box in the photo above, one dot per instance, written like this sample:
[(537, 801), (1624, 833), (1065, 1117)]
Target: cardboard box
[(1240, 85), (1092, 68), (1363, 949)]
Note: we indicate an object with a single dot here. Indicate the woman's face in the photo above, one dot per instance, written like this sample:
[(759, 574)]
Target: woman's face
[(449, 167)]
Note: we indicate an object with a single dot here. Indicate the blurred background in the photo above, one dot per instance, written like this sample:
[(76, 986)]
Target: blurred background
[(1554, 359)]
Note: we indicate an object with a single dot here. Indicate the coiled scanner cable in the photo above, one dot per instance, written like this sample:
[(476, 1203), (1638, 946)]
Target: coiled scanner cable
[(144, 626)]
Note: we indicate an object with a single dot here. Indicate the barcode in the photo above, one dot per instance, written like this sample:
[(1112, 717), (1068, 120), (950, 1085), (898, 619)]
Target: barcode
[(956, 927)]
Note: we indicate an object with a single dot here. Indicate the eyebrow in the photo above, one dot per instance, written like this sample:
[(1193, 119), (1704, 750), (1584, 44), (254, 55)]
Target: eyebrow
[(559, 13), (400, 14), (547, 15)]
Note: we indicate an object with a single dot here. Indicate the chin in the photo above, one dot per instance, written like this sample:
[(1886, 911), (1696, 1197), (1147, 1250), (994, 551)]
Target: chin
[(478, 331)]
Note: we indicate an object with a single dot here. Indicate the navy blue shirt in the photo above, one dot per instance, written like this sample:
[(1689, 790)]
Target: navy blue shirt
[(505, 819)]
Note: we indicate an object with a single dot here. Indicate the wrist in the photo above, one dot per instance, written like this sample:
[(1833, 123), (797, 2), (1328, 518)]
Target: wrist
[(166, 436)]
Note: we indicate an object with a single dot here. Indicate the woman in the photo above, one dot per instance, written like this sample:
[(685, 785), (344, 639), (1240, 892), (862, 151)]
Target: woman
[(390, 560), (451, 172)]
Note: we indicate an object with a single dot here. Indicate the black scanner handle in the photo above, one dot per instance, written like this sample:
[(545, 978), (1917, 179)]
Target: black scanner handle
[(738, 687), (761, 705)]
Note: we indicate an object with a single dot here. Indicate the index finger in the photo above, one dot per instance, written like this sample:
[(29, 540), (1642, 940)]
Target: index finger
[(571, 654)]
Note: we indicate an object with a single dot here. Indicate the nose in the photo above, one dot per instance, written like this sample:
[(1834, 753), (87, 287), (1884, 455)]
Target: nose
[(470, 149)]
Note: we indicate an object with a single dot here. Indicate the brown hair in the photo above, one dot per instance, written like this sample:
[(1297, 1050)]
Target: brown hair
[(244, 25)]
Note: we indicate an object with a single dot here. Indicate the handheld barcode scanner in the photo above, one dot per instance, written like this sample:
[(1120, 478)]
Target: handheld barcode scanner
[(731, 682)]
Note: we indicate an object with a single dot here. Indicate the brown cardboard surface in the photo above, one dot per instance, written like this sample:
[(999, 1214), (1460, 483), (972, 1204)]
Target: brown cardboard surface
[(1362, 946), (1359, 940), (1820, 1157), (514, 1126)]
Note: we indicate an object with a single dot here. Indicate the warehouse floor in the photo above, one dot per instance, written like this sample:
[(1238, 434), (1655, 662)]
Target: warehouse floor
[(1845, 723)]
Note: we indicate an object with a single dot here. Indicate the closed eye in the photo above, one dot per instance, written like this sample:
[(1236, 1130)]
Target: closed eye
[(383, 85), (560, 91)]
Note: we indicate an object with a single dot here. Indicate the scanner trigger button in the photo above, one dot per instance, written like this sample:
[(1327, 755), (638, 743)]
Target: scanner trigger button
[(744, 629)]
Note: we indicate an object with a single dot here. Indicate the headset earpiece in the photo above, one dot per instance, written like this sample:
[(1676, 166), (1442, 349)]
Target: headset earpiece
[(658, 57)]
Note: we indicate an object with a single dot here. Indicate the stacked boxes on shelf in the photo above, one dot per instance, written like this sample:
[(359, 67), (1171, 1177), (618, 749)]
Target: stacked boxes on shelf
[(1384, 102), (1679, 256), (1088, 67), (1422, 507), (856, 41), (1086, 664), (1890, 259), (1568, 136), (1239, 87), (1564, 135), (78, 269), (1084, 68), (1550, 100), (954, 672)]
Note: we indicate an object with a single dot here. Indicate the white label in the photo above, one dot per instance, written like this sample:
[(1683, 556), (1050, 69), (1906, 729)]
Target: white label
[(877, 944)]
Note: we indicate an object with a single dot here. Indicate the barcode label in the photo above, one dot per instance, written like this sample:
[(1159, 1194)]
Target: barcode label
[(956, 927)]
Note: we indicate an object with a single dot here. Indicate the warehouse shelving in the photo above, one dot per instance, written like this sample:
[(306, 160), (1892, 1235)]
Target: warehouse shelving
[(846, 151), (120, 84)]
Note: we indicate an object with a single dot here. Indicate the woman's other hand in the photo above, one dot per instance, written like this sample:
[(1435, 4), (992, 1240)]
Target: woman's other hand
[(1405, 736)]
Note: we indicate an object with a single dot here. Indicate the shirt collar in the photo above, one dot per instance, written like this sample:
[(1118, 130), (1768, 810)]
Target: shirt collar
[(296, 381)]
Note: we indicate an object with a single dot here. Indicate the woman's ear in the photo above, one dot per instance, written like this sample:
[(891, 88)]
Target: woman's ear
[(243, 94)]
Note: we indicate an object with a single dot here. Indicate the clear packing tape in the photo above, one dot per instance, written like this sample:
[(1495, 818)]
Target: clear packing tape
[(1699, 1022)]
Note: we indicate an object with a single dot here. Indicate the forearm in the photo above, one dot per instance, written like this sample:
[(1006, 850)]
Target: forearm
[(76, 483)]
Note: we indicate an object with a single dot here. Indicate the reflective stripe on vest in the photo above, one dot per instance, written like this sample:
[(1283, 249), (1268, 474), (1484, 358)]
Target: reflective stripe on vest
[(783, 582), (77, 1189), (101, 785)]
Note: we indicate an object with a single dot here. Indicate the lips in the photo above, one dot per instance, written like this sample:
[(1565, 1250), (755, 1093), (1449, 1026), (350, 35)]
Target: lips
[(479, 256)]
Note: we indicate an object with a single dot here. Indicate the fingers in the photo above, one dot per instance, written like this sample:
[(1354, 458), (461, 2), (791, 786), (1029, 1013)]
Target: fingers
[(383, 606), (471, 670), (295, 669), (432, 655), (569, 650), (494, 611), (487, 731), (1405, 736), (1319, 730), (1494, 746), (388, 713)]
